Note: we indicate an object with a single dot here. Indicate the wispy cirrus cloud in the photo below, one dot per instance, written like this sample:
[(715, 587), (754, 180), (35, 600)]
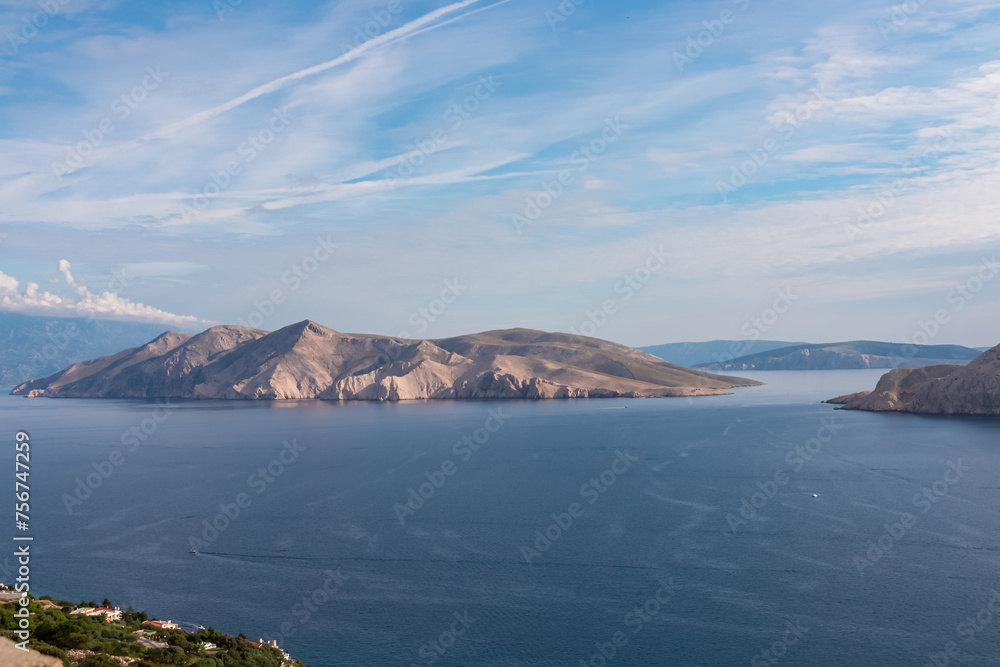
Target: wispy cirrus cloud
[(361, 112)]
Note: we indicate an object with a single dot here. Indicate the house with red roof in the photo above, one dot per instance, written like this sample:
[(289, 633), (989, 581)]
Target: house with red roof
[(108, 613), (162, 625)]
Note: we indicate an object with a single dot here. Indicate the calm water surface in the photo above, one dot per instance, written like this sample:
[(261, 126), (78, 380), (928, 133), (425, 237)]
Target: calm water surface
[(671, 514)]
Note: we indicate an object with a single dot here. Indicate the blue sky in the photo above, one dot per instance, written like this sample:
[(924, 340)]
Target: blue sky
[(430, 169)]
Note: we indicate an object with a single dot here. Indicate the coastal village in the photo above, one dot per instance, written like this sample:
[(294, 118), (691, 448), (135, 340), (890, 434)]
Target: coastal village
[(91, 635)]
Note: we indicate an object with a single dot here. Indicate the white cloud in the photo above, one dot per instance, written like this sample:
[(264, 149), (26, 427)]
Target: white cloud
[(106, 305)]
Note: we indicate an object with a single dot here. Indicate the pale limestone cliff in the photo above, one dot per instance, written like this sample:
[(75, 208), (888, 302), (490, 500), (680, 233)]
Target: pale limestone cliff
[(306, 360)]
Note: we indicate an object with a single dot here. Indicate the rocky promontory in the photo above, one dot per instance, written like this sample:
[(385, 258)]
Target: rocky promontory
[(947, 390)]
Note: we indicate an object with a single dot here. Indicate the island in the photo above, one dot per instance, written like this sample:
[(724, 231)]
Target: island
[(854, 354), (942, 390), (309, 361)]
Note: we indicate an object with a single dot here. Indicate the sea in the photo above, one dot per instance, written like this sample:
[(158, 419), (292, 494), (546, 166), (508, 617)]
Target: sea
[(760, 528)]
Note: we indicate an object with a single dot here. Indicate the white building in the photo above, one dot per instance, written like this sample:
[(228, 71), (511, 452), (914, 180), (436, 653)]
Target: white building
[(273, 644), (108, 613)]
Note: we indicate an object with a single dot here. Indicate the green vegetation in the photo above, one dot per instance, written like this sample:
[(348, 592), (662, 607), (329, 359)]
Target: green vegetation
[(93, 640)]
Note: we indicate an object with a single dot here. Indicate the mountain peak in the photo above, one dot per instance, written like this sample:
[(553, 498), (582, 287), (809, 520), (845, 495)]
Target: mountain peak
[(308, 326)]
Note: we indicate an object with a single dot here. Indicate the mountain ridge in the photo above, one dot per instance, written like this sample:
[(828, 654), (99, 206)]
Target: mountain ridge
[(307, 360), (856, 354), (710, 352), (32, 346)]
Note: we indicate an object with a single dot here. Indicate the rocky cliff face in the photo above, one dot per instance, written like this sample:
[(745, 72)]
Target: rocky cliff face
[(948, 390), (306, 360)]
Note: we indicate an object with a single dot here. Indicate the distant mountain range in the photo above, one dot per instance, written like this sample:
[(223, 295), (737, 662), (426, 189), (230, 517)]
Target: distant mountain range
[(306, 360), (847, 355), (713, 351), (32, 346), (949, 389), (776, 355)]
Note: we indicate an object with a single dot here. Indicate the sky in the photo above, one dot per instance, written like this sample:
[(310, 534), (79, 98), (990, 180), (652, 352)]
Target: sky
[(644, 172)]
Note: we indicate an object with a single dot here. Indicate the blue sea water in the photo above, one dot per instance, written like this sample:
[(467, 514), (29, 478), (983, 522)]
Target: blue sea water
[(657, 555)]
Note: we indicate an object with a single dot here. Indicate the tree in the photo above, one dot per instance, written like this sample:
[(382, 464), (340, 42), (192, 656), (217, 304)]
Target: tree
[(131, 616), (107, 603)]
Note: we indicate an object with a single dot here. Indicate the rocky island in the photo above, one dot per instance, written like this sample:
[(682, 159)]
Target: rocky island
[(310, 361), (946, 390)]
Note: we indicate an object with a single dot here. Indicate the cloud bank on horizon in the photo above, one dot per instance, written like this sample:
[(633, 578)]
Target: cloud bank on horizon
[(347, 161), (106, 305)]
